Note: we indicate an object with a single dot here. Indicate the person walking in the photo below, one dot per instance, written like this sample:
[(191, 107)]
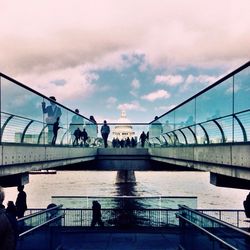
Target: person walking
[(96, 214), (105, 130), (21, 205), (143, 138), (84, 137), (55, 130)]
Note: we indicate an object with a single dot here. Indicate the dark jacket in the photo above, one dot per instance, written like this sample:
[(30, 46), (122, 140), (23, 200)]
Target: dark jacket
[(7, 234)]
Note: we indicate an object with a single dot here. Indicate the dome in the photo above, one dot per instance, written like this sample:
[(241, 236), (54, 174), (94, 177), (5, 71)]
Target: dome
[(123, 131)]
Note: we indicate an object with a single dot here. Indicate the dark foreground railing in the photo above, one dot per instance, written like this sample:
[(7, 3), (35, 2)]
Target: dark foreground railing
[(197, 229), (201, 231), (40, 230)]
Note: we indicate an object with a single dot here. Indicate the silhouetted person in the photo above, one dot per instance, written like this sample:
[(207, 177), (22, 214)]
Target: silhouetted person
[(143, 138), (96, 214), (77, 135), (84, 136), (92, 129), (55, 130), (21, 205), (12, 214), (105, 130), (246, 204), (53, 112), (133, 142), (76, 122), (7, 234), (114, 143), (127, 142), (122, 143)]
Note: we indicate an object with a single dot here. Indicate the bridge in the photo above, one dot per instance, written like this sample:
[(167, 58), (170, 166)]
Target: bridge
[(209, 132)]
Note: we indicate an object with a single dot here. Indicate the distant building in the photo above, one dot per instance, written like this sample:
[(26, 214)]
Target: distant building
[(123, 131)]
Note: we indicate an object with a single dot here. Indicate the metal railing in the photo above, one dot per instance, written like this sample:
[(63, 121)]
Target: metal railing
[(204, 229), (218, 114)]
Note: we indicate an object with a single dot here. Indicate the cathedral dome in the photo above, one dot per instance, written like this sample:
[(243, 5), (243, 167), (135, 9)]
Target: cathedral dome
[(123, 131)]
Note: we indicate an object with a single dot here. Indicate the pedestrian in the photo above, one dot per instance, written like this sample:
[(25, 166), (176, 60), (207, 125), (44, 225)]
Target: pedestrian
[(7, 234), (143, 138), (21, 205), (92, 129), (96, 214), (105, 130), (55, 130), (12, 213), (76, 122), (77, 135), (84, 137), (53, 112)]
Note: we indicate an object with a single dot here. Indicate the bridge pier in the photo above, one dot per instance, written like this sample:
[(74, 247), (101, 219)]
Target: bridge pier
[(125, 176)]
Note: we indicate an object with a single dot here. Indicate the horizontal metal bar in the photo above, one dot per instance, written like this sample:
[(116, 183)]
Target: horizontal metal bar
[(39, 226), (39, 213), (207, 232), (215, 220)]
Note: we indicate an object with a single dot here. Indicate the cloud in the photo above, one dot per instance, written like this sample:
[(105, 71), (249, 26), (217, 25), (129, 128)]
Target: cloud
[(111, 101), (65, 84), (35, 37), (170, 80), (131, 106), (204, 79), (159, 94), (165, 108), (135, 85)]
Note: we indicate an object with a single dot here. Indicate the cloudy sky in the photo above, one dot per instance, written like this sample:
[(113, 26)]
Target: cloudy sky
[(104, 56)]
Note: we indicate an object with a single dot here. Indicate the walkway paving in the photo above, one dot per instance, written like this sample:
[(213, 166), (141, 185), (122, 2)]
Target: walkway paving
[(120, 240)]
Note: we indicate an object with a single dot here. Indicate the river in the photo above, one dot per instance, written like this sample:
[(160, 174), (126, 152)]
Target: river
[(102, 183)]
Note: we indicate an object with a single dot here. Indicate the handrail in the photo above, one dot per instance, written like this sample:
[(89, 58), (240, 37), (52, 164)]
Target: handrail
[(40, 212), (208, 233), (216, 220), (41, 225)]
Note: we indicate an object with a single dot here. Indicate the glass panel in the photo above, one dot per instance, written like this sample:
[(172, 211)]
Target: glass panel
[(181, 138), (155, 128), (242, 90), (200, 135), (189, 136), (33, 132), (20, 101), (227, 127), (245, 120), (213, 132), (168, 122), (185, 115), (216, 102), (14, 129)]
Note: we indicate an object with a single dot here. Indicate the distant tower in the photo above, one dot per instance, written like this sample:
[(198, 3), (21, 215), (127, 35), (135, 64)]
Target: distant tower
[(123, 131)]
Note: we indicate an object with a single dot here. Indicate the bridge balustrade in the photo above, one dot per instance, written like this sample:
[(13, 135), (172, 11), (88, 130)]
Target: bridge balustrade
[(23, 120), (218, 114)]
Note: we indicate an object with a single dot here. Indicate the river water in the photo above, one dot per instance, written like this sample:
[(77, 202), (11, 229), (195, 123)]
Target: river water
[(102, 183)]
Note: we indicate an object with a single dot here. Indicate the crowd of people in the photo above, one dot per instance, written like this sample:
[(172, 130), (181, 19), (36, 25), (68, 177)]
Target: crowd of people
[(124, 143), (8, 218)]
